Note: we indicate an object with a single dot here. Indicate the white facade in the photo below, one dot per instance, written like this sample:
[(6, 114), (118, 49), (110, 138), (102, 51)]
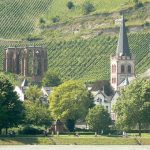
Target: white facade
[(100, 98), (19, 93)]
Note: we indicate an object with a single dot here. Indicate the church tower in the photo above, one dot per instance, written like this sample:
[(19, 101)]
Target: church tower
[(123, 62)]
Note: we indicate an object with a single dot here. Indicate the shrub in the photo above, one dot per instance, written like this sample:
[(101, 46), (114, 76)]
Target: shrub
[(33, 37), (147, 24), (138, 4), (70, 5), (88, 7), (31, 130), (42, 21), (56, 19)]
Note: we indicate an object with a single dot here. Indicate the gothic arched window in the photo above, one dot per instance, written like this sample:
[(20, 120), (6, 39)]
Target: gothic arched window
[(122, 69), (113, 68), (129, 69)]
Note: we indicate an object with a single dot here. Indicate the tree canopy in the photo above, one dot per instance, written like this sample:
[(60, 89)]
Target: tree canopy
[(133, 106), (70, 101), (70, 5), (88, 8), (33, 93), (98, 118), (51, 79), (11, 108), (37, 114)]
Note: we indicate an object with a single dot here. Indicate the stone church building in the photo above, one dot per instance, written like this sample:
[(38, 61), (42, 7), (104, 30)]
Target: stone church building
[(122, 66), (26, 61), (123, 62)]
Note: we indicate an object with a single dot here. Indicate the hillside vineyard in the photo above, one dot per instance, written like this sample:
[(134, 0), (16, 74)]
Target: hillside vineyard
[(88, 60)]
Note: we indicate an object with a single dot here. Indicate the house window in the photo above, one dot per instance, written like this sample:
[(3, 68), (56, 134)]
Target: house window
[(122, 69), (113, 80), (99, 100), (113, 68), (129, 69)]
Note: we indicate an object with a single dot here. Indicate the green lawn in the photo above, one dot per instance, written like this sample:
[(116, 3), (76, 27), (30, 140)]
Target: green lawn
[(71, 140)]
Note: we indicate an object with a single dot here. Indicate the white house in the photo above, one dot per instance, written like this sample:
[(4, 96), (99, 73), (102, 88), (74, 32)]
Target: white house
[(100, 98), (46, 91), (102, 93)]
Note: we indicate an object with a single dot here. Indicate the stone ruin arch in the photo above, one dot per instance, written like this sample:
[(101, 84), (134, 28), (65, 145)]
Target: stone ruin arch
[(28, 61)]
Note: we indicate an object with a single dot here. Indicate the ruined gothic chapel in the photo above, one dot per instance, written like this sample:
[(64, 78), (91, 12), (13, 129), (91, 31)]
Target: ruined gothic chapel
[(26, 61), (123, 62)]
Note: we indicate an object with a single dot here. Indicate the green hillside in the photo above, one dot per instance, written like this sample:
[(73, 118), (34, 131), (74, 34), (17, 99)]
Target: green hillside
[(59, 8), (79, 46), (18, 17), (89, 60)]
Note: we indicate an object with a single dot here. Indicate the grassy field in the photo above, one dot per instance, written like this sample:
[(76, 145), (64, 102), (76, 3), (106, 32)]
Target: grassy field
[(89, 60), (59, 8), (71, 140)]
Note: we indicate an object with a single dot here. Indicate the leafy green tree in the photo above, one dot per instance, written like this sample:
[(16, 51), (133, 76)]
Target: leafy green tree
[(98, 118), (70, 5), (33, 93), (11, 108), (133, 106), (70, 101), (36, 114), (51, 79), (88, 7)]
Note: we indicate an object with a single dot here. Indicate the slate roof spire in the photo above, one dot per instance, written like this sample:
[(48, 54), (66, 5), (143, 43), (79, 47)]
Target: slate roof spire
[(123, 46)]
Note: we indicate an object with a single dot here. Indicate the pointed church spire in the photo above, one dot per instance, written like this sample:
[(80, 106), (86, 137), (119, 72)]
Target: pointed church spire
[(123, 46)]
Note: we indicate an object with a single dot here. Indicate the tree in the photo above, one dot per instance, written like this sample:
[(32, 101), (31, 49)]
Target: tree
[(11, 108), (51, 79), (42, 20), (98, 118), (88, 7), (133, 106), (70, 101), (138, 3), (56, 19), (70, 5), (33, 93), (36, 114)]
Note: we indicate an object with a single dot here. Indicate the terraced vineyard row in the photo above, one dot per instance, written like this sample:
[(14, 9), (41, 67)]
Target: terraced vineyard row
[(18, 17), (89, 60)]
